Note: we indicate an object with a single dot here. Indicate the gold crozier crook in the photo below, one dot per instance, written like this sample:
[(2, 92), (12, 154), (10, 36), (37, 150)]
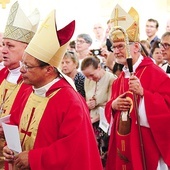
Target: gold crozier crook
[(130, 66)]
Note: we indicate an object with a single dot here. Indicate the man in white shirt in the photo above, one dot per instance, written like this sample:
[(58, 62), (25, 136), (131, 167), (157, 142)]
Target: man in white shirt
[(139, 105)]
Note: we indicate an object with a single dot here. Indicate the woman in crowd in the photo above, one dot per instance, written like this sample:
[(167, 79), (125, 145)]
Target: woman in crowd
[(69, 66), (157, 54), (97, 89)]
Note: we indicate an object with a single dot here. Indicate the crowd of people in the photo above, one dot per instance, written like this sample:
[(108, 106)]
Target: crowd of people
[(99, 103)]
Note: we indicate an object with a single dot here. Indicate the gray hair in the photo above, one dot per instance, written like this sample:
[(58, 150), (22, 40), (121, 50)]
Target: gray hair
[(86, 37), (166, 34)]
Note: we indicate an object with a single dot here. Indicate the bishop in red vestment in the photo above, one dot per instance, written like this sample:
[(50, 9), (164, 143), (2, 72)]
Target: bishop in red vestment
[(11, 97), (139, 109), (63, 138), (53, 119), (18, 32)]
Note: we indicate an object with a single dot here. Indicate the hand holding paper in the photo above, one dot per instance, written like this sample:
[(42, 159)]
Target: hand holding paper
[(12, 137)]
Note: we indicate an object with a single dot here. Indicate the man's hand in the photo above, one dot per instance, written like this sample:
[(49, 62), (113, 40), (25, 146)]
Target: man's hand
[(104, 52), (21, 160), (121, 103), (8, 154), (135, 85)]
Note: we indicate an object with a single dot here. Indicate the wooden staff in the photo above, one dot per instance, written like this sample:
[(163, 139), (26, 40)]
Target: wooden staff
[(129, 61), (130, 66)]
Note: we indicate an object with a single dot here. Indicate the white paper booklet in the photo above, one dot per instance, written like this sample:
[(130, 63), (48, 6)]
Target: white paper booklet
[(12, 137)]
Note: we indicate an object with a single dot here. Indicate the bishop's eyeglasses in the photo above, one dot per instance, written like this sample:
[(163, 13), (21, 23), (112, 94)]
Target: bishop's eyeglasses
[(120, 46), (26, 67)]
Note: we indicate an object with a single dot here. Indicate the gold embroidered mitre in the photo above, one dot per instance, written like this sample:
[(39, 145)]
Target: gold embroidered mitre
[(20, 27), (127, 21)]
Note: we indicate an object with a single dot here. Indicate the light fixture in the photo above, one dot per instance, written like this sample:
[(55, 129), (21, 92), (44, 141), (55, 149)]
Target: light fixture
[(4, 2)]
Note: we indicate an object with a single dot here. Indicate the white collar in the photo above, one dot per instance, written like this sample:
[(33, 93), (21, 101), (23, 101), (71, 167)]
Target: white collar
[(14, 75), (42, 90)]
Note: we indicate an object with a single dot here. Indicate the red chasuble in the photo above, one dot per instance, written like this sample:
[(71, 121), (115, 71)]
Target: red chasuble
[(125, 150), (20, 90), (9, 100), (61, 136)]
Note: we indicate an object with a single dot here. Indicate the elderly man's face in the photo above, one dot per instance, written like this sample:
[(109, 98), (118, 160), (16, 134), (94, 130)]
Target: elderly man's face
[(119, 50), (12, 52)]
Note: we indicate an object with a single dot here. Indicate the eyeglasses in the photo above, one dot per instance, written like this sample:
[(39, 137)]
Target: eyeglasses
[(120, 46), (80, 41), (164, 45), (26, 67), (71, 52)]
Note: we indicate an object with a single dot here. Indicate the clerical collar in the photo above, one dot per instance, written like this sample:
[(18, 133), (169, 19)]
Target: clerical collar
[(42, 90), (126, 69), (14, 75)]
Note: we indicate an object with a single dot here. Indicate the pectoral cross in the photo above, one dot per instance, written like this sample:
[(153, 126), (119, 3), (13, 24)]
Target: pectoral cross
[(26, 132), (117, 18), (4, 2)]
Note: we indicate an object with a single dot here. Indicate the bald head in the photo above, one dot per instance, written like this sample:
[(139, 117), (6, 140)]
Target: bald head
[(98, 30)]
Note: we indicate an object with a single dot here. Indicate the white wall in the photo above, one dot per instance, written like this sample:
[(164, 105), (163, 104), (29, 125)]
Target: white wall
[(89, 11)]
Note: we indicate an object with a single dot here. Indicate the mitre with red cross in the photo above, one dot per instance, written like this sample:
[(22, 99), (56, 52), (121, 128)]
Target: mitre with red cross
[(129, 22)]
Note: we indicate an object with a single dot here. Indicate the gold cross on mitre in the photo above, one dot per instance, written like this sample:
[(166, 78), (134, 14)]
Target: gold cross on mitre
[(4, 2), (115, 16), (45, 24)]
